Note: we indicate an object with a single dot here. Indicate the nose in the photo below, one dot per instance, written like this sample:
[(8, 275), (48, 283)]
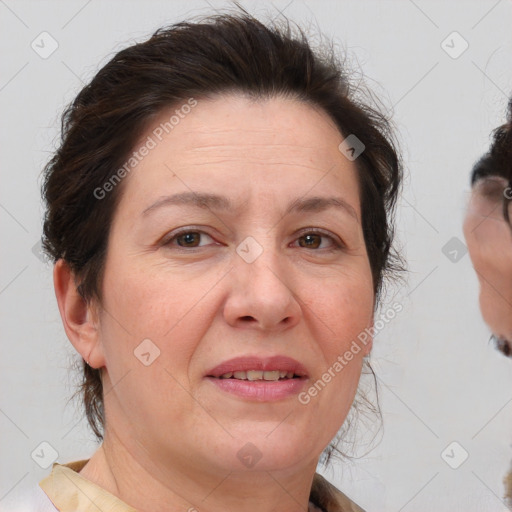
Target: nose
[(261, 296)]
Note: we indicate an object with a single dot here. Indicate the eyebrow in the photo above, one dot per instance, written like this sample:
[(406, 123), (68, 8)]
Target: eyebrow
[(216, 202)]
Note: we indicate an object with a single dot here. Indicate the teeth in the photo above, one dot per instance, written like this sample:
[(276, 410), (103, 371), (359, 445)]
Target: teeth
[(253, 375)]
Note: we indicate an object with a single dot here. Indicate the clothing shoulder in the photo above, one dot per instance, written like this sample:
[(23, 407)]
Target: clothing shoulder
[(329, 498), (508, 489)]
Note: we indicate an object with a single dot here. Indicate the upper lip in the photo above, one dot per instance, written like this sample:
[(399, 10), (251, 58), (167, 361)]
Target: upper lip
[(246, 363)]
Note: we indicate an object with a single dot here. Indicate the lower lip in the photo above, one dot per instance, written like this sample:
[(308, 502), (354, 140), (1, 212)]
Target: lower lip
[(261, 390)]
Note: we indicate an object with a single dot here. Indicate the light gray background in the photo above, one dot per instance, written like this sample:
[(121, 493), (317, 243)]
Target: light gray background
[(440, 379)]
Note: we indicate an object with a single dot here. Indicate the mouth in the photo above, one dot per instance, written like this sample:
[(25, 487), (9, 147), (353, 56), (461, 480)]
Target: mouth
[(262, 379), (253, 368), (258, 375)]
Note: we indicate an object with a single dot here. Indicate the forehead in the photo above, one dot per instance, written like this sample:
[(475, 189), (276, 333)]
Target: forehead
[(267, 144), (230, 123)]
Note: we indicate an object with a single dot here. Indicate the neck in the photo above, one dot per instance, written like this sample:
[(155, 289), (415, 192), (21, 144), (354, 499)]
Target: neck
[(139, 481)]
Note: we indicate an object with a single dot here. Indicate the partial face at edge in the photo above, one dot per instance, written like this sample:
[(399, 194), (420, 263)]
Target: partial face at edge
[(489, 239)]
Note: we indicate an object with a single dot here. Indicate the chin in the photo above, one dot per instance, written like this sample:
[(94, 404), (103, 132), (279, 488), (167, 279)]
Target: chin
[(271, 450)]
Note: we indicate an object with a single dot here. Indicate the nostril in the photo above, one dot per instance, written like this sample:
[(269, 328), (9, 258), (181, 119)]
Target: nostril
[(247, 318)]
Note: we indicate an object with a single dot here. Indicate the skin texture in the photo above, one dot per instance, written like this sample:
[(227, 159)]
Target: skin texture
[(489, 240), (172, 437)]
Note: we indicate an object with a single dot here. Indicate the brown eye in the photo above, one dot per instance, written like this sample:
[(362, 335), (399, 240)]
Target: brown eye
[(318, 240), (311, 241), (189, 240)]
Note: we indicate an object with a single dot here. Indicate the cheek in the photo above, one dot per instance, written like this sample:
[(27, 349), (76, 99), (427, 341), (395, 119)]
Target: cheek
[(470, 229), (173, 314), (155, 300), (496, 299), (339, 311), (345, 299), (142, 306), (346, 308), (483, 256)]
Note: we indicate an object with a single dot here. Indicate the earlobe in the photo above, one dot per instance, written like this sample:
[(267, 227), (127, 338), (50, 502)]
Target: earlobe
[(79, 319)]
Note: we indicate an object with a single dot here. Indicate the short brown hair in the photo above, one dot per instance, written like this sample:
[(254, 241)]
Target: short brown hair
[(219, 54)]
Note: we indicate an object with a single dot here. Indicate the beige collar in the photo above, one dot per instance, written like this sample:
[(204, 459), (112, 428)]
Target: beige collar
[(71, 492)]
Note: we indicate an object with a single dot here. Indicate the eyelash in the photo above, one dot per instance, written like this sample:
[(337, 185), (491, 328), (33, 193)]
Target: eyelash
[(336, 246)]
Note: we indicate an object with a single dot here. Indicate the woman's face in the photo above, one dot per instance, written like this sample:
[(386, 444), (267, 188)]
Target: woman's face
[(237, 245), (489, 239)]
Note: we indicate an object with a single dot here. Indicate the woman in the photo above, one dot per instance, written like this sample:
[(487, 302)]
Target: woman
[(488, 233), (220, 218)]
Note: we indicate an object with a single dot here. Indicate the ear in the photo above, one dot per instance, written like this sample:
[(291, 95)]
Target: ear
[(80, 319)]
